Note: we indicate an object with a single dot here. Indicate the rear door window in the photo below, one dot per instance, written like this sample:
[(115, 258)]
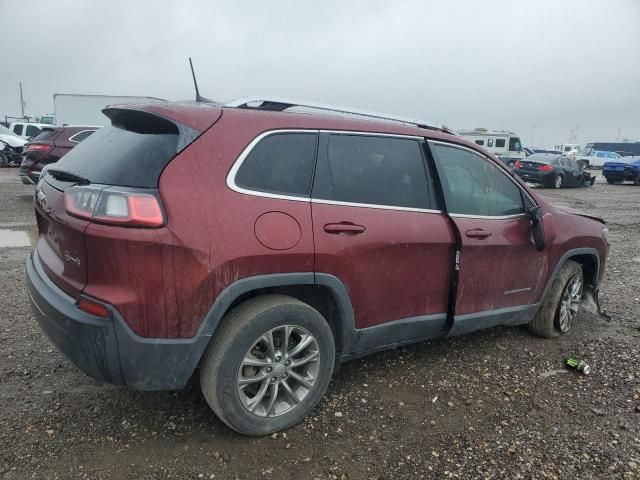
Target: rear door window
[(281, 163), (373, 170), (473, 185), (17, 129)]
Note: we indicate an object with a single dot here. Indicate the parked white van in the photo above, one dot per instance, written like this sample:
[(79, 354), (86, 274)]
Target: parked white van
[(504, 144)]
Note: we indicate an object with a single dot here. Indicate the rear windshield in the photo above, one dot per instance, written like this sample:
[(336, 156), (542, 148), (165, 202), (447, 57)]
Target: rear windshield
[(45, 134), (131, 152)]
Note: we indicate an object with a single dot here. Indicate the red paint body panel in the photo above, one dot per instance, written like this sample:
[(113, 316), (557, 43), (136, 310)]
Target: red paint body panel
[(61, 244), (150, 277), (399, 267), (163, 281), (502, 270)]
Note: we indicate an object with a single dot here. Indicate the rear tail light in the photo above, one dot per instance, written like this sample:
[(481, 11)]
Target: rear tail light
[(517, 164), (545, 168), (37, 147), (114, 206)]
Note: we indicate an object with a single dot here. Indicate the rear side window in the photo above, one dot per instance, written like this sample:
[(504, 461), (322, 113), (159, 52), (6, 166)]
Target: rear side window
[(500, 142), (281, 163), (473, 185), (17, 129), (373, 170), (131, 152), (80, 136), (480, 142)]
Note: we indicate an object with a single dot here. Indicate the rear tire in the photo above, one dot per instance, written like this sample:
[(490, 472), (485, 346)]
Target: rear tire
[(250, 344), (563, 298)]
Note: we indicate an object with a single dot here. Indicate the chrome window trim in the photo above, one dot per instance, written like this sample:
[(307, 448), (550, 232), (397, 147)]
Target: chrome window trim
[(231, 176), (488, 217), (506, 174), (71, 138), (373, 205)]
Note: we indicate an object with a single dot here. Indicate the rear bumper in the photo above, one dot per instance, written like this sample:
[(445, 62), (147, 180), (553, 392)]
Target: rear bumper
[(106, 349), (539, 178)]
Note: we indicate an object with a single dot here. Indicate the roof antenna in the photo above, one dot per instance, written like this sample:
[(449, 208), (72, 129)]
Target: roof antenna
[(199, 98)]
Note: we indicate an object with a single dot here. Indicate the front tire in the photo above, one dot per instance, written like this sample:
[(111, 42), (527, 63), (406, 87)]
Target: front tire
[(611, 181), (557, 181), (269, 365), (559, 308)]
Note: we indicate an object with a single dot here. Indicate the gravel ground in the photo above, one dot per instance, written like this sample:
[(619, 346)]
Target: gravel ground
[(493, 404)]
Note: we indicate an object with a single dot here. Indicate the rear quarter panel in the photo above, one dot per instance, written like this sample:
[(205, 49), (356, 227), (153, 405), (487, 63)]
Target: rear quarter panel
[(217, 224)]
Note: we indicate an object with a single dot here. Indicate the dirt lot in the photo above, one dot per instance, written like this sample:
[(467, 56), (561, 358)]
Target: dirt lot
[(494, 404)]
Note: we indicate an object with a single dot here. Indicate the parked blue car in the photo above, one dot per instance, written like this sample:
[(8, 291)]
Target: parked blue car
[(625, 168)]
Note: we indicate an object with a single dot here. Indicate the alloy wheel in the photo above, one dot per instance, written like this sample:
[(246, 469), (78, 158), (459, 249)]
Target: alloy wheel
[(569, 303), (557, 182), (278, 371)]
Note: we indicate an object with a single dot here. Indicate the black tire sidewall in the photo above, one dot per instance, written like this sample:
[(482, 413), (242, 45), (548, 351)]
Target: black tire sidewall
[(235, 346)]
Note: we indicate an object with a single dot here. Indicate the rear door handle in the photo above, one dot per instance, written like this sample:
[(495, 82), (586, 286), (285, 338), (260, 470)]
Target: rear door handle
[(344, 228), (477, 233)]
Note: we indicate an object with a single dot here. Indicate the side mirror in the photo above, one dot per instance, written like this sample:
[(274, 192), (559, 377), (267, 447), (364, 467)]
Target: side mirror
[(537, 227)]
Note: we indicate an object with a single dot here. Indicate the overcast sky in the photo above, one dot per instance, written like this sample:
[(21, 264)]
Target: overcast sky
[(539, 67)]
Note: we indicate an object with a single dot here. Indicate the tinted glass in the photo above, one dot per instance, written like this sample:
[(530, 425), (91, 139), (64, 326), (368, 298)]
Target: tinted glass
[(17, 129), (490, 142), (132, 155), (80, 136), (31, 130), (45, 134), (480, 142), (281, 163), (514, 144), (373, 170), (500, 142), (473, 185)]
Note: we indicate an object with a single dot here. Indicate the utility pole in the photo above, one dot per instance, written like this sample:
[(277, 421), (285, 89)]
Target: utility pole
[(22, 102)]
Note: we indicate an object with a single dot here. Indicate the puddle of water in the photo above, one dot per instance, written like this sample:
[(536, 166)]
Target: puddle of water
[(14, 238)]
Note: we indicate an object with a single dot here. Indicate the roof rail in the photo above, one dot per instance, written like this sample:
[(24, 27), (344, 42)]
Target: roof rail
[(281, 104)]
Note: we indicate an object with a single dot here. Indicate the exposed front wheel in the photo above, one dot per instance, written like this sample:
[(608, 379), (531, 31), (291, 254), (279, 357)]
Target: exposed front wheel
[(557, 181), (560, 307), (269, 365)]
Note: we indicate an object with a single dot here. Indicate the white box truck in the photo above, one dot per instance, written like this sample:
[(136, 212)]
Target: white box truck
[(76, 109)]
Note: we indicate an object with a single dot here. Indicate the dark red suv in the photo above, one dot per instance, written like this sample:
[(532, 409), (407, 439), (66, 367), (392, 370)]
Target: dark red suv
[(266, 246), (49, 146)]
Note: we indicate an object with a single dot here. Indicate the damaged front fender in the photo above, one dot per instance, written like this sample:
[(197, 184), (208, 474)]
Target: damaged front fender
[(591, 303)]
